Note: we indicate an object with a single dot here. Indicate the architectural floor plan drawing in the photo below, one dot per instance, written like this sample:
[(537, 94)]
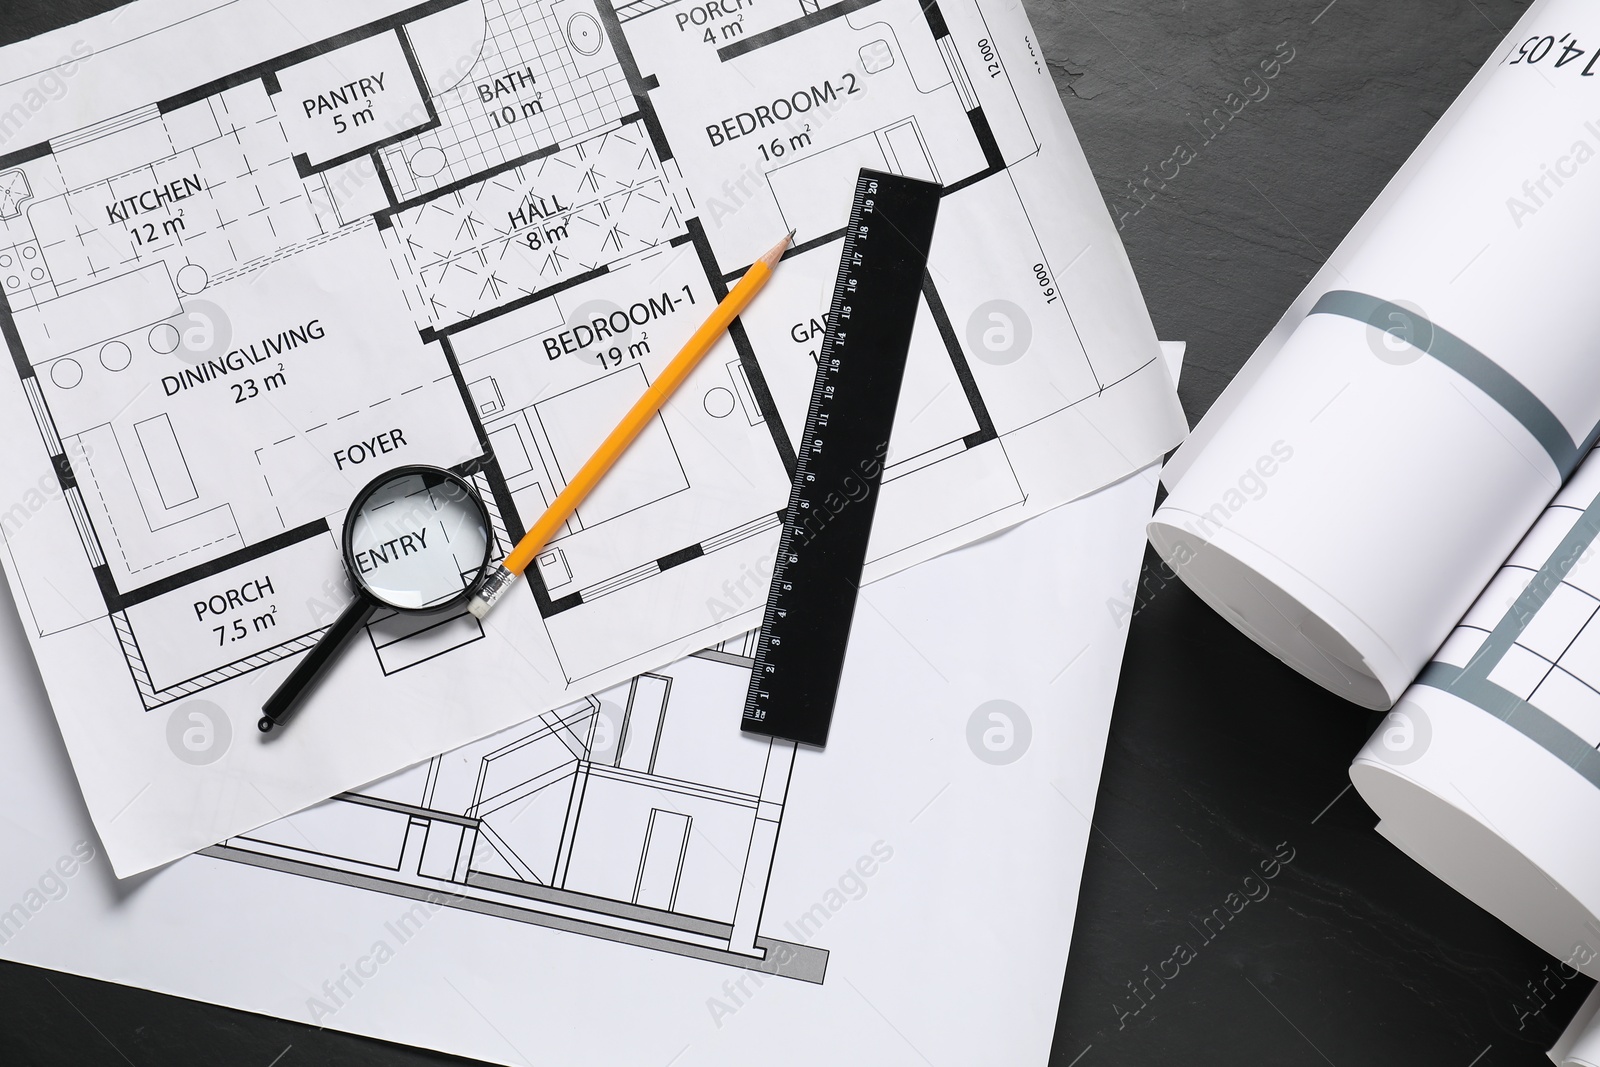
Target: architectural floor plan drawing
[(469, 233), (431, 909), (632, 815)]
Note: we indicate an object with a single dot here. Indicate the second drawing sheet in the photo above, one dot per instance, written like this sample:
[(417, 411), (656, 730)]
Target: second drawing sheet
[(469, 234)]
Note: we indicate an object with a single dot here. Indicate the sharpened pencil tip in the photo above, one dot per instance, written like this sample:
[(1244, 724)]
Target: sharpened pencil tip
[(776, 252)]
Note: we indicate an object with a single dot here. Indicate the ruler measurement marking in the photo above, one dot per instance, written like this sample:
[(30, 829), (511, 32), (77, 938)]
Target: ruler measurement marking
[(815, 575)]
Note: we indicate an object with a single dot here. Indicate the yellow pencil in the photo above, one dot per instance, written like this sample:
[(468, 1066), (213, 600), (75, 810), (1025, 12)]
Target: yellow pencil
[(632, 424)]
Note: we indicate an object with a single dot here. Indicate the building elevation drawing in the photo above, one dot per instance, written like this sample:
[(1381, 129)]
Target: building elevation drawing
[(633, 815), (468, 234)]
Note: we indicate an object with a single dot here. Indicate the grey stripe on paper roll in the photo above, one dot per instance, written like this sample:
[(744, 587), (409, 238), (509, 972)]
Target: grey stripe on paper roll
[(1477, 368)]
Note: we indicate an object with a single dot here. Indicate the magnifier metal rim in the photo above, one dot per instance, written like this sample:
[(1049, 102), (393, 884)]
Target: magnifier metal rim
[(347, 548)]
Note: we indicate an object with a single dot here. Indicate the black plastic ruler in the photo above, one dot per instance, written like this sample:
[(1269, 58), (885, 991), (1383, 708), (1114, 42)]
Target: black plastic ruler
[(839, 467)]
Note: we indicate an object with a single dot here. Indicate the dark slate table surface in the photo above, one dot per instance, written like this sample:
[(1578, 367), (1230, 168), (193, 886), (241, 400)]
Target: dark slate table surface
[(1219, 756)]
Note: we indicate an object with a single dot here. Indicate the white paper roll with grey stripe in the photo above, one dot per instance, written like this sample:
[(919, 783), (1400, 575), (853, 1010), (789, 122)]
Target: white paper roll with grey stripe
[(1427, 395)]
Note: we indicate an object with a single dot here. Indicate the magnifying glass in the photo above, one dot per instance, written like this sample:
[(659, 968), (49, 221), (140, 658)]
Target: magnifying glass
[(416, 541)]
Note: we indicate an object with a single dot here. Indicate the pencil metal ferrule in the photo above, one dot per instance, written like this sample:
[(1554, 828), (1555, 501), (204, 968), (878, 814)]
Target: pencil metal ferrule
[(491, 589)]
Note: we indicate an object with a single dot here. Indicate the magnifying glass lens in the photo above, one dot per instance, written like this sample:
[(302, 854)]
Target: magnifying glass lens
[(417, 541)]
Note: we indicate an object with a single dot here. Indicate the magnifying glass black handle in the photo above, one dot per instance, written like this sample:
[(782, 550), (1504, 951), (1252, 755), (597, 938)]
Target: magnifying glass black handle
[(282, 703)]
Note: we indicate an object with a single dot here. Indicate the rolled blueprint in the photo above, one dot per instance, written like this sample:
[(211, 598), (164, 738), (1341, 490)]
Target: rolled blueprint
[(1487, 772), (1398, 432)]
